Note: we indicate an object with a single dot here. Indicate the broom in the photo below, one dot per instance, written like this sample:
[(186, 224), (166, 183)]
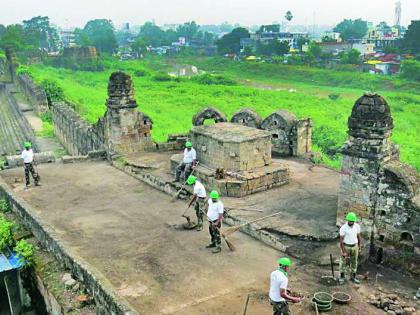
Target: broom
[(175, 197), (233, 229)]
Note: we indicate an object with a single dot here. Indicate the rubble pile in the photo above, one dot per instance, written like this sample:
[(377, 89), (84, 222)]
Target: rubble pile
[(391, 304)]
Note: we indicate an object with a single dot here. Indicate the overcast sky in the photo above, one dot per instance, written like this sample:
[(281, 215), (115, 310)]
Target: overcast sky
[(246, 12)]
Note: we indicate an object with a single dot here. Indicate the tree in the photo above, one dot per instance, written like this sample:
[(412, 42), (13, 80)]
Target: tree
[(188, 30), (288, 16), (273, 48), (139, 45), (351, 29), (411, 41), (39, 34), (352, 57), (410, 69), (2, 30), (314, 53), (100, 33), (152, 34), (275, 28), (81, 38), (231, 43), (13, 37)]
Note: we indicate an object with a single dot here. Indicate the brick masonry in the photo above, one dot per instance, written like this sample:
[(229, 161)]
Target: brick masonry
[(382, 191)]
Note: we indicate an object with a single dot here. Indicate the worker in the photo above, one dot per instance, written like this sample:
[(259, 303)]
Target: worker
[(28, 163), (350, 244), (279, 295), (214, 209), (187, 163), (199, 200)]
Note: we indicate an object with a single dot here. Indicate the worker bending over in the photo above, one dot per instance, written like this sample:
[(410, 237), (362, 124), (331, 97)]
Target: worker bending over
[(199, 200), (187, 163), (350, 244), (214, 209), (278, 288)]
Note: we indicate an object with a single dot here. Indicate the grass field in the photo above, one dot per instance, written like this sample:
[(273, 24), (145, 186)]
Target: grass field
[(263, 87)]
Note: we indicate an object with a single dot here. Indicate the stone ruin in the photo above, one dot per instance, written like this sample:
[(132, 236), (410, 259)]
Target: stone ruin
[(384, 193), (290, 136), (235, 159), (126, 129)]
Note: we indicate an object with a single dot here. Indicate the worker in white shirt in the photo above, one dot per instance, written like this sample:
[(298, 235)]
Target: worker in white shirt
[(214, 209), (28, 163), (199, 200), (279, 295), (187, 163), (350, 243)]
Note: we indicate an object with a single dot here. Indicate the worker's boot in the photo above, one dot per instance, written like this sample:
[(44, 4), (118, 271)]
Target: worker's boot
[(217, 249), (341, 279), (211, 245), (199, 227), (354, 279)]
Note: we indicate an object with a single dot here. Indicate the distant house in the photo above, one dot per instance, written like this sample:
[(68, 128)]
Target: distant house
[(264, 37), (364, 48), (68, 38), (334, 47)]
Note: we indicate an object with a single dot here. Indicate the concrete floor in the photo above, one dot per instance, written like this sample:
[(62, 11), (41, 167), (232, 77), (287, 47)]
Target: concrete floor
[(131, 233)]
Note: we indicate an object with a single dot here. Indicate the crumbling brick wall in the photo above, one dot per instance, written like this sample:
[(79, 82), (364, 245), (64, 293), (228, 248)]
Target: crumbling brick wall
[(378, 187)]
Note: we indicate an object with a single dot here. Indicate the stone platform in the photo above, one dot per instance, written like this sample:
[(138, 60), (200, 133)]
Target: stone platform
[(243, 183), (307, 205)]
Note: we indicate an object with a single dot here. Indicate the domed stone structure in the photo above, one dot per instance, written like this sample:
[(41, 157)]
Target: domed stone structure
[(370, 126), (247, 117)]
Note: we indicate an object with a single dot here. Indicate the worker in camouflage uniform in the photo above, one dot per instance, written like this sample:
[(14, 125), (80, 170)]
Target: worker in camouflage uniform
[(350, 245), (214, 209), (199, 200), (188, 162), (28, 163)]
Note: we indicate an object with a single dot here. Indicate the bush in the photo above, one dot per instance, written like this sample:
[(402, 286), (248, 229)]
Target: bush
[(25, 251), (23, 70), (53, 90), (410, 69), (162, 77), (209, 79), (334, 96), (140, 73), (4, 205), (6, 238)]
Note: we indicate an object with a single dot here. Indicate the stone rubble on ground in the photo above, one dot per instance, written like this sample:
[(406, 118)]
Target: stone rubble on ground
[(391, 304)]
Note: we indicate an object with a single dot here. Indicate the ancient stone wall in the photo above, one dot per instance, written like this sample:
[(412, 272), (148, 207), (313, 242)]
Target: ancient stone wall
[(76, 135), (378, 187), (36, 95), (231, 146), (247, 117), (396, 241)]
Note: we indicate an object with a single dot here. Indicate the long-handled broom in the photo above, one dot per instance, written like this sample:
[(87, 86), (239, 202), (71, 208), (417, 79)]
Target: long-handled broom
[(233, 229)]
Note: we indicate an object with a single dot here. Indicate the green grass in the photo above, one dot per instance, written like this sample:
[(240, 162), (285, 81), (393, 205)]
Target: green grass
[(263, 87)]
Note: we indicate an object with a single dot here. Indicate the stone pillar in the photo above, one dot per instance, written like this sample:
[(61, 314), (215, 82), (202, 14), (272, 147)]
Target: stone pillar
[(126, 129), (368, 145), (11, 63)]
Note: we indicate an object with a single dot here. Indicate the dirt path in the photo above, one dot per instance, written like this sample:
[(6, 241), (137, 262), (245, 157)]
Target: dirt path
[(131, 233)]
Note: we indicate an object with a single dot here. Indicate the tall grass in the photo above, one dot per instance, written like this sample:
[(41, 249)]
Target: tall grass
[(171, 104)]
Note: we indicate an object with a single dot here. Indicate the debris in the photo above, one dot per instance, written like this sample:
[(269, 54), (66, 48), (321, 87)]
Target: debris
[(390, 303)]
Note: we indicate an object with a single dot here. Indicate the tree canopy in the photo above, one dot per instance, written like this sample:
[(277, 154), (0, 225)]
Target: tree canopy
[(99, 33), (411, 41), (351, 29), (231, 43)]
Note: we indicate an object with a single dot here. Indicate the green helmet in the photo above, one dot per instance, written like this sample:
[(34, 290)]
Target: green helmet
[(284, 261), (188, 144), (214, 195), (351, 216), (27, 144), (191, 180)]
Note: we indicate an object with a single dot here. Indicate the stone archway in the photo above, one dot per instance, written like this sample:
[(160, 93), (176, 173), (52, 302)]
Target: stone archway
[(247, 117), (208, 113), (280, 124)]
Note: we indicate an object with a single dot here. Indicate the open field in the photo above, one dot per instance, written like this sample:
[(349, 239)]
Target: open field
[(263, 87)]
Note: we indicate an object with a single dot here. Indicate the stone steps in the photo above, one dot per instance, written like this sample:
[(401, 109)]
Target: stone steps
[(14, 128)]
